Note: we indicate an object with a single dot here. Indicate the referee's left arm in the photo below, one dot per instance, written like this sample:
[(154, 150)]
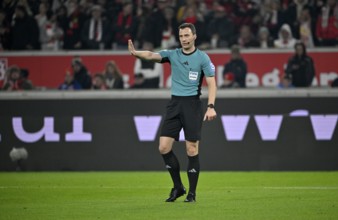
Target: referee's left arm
[(212, 89)]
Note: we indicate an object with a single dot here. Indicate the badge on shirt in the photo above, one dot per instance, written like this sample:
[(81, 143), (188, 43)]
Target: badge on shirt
[(193, 76)]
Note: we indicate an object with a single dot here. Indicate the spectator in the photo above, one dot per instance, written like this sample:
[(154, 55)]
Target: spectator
[(334, 83), (54, 34), (274, 17), (28, 7), (95, 33), (26, 84), (245, 12), (4, 31), (151, 72), (69, 83), (99, 82), (113, 76), (246, 38), (143, 18), (285, 39), (42, 21), (220, 36), (327, 24), (183, 10), (23, 24), (125, 26), (305, 29), (301, 67), (17, 80), (286, 82), (293, 13), (9, 7), (156, 22), (264, 38), (73, 26), (62, 21), (81, 74), (229, 81), (236, 66), (169, 32), (138, 82), (193, 16)]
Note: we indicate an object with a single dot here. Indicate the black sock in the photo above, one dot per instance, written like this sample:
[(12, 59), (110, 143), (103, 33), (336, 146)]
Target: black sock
[(193, 172), (173, 167)]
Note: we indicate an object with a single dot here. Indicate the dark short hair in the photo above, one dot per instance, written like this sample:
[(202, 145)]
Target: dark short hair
[(188, 25), (302, 45), (21, 8)]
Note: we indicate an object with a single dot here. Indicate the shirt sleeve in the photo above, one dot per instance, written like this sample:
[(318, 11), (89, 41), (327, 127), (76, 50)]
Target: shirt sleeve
[(208, 67), (165, 54)]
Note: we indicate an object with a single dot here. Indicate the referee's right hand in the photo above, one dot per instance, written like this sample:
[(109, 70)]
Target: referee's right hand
[(131, 47)]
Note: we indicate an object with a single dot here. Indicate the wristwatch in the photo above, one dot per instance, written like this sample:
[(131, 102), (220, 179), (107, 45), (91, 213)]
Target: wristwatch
[(211, 106)]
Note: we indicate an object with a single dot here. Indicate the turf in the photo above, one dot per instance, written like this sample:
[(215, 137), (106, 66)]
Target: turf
[(141, 195)]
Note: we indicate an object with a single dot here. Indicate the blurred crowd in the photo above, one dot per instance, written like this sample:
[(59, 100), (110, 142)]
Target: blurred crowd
[(108, 24), (153, 24)]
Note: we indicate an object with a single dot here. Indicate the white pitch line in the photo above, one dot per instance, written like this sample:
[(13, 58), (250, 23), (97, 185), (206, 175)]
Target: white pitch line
[(74, 187), (302, 187), (136, 187)]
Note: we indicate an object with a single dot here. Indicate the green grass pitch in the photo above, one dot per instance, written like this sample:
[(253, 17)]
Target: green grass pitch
[(141, 195)]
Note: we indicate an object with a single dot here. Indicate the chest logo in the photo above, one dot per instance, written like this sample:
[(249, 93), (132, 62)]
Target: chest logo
[(193, 76)]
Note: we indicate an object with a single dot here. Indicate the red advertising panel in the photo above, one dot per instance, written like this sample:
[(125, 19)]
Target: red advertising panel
[(265, 68)]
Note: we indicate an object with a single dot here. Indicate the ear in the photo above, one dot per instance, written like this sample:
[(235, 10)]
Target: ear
[(195, 36)]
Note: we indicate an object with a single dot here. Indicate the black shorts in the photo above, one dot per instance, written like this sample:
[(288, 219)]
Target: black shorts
[(183, 112)]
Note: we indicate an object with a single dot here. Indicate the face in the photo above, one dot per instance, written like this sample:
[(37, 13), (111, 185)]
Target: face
[(42, 8), (187, 38), (98, 81), (305, 15), (275, 5), (15, 75), (299, 50), (128, 9), (96, 14), (76, 68), (19, 13), (235, 55), (168, 13), (286, 82), (162, 4), (245, 32), (110, 68), (190, 12), (285, 34), (68, 78), (263, 35)]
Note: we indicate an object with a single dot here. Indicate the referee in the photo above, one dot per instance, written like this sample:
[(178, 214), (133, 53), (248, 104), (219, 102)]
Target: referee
[(188, 67)]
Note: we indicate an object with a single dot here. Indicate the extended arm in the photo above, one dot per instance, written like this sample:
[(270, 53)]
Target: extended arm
[(144, 54), (212, 89)]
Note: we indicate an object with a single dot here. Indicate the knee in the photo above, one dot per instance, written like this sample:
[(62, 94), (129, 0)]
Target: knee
[(192, 149), (166, 144), (164, 149)]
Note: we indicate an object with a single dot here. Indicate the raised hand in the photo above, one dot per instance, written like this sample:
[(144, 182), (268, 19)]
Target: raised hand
[(131, 47)]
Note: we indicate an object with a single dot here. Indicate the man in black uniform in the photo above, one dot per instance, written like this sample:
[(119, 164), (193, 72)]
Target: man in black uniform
[(188, 67)]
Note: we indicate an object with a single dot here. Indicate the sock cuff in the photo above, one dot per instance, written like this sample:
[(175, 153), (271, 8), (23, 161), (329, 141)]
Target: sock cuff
[(168, 155), (193, 157)]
